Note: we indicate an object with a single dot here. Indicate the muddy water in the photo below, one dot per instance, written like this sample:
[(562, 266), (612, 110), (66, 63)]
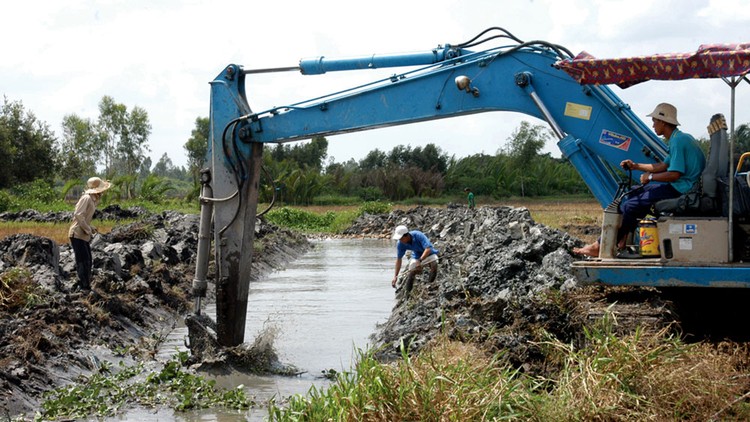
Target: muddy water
[(318, 312)]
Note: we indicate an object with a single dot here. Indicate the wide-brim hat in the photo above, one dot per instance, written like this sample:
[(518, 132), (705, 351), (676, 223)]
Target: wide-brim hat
[(665, 112), (400, 232), (97, 185)]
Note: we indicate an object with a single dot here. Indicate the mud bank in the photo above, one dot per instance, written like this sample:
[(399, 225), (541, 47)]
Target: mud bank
[(50, 333), (502, 280)]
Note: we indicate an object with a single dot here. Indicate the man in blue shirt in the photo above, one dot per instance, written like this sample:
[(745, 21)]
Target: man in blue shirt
[(669, 179), (423, 253)]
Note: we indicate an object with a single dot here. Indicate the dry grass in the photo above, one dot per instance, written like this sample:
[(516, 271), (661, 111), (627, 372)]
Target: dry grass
[(646, 376), (55, 231), (563, 214), (555, 213)]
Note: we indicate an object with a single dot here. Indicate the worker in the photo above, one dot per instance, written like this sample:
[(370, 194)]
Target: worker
[(671, 178), (423, 254), (470, 198), (81, 231)]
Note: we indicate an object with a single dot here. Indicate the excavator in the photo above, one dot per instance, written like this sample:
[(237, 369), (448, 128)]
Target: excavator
[(595, 131)]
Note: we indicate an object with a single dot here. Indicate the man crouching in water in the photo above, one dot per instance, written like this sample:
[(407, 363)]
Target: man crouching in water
[(423, 254)]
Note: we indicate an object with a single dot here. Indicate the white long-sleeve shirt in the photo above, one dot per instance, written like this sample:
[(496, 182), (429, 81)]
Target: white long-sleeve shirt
[(82, 216)]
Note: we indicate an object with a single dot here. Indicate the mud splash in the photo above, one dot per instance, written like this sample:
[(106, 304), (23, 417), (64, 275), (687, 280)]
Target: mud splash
[(207, 355)]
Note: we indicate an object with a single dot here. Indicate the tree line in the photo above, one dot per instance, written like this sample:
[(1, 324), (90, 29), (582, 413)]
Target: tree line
[(116, 143)]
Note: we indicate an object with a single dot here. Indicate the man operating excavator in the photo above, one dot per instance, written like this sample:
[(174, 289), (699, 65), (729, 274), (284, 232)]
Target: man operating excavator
[(671, 178)]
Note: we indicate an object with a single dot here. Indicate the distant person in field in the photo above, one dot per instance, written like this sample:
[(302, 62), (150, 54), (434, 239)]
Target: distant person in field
[(423, 254), (81, 231), (470, 198)]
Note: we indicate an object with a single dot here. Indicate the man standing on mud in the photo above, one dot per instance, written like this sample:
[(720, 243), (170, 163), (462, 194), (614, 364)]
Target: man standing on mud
[(81, 231), (423, 253), (470, 198)]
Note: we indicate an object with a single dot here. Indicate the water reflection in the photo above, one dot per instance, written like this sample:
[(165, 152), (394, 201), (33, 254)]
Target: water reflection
[(321, 308)]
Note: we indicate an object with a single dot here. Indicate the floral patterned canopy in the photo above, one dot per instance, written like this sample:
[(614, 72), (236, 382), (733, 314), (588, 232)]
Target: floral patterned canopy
[(710, 61)]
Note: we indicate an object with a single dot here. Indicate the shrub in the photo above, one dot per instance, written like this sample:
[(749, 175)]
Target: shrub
[(370, 193), (6, 201), (375, 207), (301, 220)]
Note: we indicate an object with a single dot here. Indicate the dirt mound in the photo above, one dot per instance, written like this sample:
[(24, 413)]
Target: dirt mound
[(503, 279), (143, 271)]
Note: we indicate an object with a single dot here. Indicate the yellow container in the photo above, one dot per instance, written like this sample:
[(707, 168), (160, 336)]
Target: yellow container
[(649, 238)]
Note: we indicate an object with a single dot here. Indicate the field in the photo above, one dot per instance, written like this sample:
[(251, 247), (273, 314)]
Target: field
[(579, 217)]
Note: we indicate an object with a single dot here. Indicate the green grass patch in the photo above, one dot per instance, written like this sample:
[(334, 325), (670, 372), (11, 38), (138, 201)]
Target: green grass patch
[(324, 221), (109, 390)]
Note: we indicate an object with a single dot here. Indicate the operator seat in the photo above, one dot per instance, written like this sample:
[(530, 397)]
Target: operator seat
[(704, 199)]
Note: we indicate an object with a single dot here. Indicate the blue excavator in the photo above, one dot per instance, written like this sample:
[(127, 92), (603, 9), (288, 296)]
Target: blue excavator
[(595, 129)]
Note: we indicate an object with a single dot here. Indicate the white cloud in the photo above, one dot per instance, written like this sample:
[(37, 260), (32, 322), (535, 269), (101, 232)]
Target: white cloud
[(63, 57)]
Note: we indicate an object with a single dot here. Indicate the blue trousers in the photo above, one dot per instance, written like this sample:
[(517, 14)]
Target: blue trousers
[(637, 205)]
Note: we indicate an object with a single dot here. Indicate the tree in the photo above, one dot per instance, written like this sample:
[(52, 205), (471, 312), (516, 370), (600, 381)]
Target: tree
[(80, 148), (125, 139), (312, 154), (306, 155), (163, 167), (741, 143), (374, 159), (524, 147), (430, 158), (526, 142), (26, 145), (197, 147)]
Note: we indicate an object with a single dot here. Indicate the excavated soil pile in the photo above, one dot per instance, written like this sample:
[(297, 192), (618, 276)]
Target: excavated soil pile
[(50, 333), (502, 278)]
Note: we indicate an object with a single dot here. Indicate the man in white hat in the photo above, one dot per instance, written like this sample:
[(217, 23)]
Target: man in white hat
[(81, 231), (671, 178), (423, 253)]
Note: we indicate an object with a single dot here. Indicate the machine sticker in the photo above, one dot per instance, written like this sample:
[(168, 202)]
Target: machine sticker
[(691, 228), (615, 140), (579, 111), (675, 229), (686, 244)]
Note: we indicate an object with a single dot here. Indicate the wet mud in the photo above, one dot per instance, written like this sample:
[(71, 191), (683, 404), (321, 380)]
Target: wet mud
[(50, 333), (503, 279)]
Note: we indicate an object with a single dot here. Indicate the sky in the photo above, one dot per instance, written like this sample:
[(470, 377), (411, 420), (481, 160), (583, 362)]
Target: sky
[(60, 57)]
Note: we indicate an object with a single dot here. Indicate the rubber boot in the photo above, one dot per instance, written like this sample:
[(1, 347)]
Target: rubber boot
[(409, 284), (433, 272)]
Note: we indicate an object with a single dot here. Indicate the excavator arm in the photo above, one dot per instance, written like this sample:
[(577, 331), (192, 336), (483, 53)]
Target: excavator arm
[(595, 131)]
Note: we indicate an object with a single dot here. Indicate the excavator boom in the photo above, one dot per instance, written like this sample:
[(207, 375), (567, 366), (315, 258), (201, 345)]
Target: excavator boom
[(595, 130)]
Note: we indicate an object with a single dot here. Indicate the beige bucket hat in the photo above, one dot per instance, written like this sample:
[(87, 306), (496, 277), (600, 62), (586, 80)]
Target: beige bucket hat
[(97, 185), (665, 112)]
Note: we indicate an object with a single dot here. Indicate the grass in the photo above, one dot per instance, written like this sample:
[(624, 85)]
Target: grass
[(55, 231), (643, 376), (559, 213)]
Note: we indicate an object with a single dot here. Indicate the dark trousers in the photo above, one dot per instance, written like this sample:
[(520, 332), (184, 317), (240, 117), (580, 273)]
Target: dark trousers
[(638, 204), (413, 274), (84, 262)]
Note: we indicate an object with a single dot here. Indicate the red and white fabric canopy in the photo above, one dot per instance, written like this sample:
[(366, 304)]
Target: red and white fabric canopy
[(709, 61)]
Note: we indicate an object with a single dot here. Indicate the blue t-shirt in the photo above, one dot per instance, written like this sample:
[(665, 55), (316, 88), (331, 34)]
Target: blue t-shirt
[(418, 244), (686, 157)]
